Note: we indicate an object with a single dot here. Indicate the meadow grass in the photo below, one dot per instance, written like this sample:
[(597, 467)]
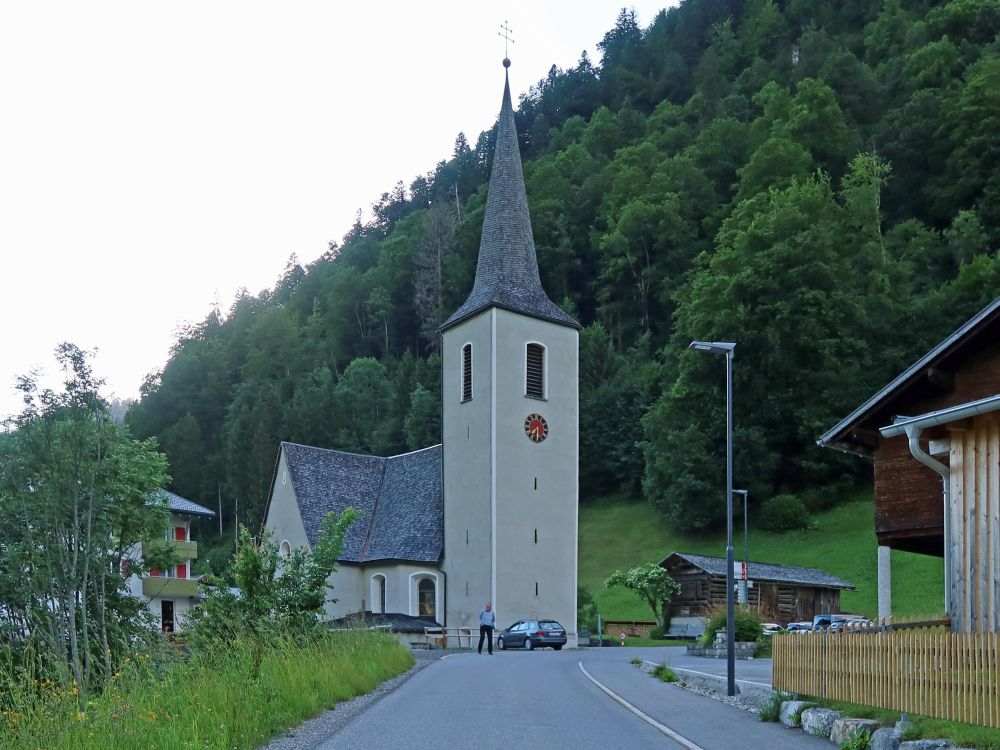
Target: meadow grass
[(210, 702), (617, 532)]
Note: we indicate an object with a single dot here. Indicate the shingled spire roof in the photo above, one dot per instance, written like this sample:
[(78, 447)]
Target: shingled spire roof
[(507, 274)]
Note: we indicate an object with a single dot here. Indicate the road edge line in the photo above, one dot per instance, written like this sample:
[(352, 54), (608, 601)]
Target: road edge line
[(662, 728), (713, 676)]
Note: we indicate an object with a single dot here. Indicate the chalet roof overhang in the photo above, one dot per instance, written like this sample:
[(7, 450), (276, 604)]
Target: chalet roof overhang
[(762, 572), (179, 505), (904, 425), (933, 373)]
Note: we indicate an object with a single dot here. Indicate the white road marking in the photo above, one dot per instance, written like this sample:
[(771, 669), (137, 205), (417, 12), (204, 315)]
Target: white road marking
[(706, 674), (682, 741)]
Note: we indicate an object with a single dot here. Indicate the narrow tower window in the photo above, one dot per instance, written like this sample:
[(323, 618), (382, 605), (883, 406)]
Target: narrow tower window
[(534, 371), (467, 372)]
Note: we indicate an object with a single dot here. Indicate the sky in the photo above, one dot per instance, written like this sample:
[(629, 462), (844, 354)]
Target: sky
[(157, 157)]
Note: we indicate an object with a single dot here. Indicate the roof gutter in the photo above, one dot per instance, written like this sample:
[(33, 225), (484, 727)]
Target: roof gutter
[(912, 427)]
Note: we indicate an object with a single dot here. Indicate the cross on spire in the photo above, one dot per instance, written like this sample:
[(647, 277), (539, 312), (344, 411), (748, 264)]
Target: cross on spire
[(507, 38)]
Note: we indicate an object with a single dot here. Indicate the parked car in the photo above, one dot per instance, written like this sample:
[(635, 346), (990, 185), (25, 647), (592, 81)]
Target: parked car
[(770, 628), (532, 634), (837, 623), (800, 627)]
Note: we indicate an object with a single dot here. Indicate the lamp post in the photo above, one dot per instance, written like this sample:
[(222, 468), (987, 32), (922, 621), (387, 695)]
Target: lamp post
[(744, 594), (723, 347)]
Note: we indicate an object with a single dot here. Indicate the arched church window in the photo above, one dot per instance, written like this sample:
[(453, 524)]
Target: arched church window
[(425, 598), (467, 372), (286, 549), (534, 371), (378, 593)]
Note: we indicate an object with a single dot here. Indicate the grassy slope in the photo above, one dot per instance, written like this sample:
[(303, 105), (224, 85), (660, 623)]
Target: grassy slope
[(617, 533)]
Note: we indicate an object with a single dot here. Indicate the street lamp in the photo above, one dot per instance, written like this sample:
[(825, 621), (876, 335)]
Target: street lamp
[(724, 347), (744, 594)]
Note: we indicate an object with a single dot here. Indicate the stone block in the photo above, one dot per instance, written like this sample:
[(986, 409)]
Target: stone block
[(819, 721), (787, 712), (926, 745), (842, 729), (885, 739)]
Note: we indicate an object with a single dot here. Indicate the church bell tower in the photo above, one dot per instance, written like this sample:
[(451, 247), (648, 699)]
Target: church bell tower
[(510, 423)]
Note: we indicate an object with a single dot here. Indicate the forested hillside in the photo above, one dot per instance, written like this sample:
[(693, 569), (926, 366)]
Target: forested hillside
[(818, 182)]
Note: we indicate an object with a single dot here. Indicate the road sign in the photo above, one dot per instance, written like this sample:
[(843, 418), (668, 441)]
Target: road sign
[(740, 571)]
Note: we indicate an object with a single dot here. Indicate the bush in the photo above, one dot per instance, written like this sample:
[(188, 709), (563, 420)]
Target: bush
[(586, 610), (657, 633), (859, 740), (664, 673), (748, 625), (771, 710), (785, 513)]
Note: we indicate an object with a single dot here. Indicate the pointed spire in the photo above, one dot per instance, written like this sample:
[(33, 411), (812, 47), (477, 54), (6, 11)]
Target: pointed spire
[(507, 273)]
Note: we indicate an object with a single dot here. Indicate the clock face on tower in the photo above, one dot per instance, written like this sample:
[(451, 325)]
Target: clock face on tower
[(536, 428)]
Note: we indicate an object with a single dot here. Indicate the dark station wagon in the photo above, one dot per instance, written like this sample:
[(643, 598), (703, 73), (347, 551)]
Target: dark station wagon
[(532, 634)]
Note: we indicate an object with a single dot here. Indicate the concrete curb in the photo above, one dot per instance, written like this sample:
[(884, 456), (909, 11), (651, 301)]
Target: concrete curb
[(754, 693)]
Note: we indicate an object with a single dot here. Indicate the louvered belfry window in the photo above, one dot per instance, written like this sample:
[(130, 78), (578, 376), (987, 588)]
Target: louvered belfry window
[(534, 375), (467, 372)]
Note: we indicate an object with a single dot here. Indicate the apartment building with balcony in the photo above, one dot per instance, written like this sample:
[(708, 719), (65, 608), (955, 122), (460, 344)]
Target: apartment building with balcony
[(171, 592)]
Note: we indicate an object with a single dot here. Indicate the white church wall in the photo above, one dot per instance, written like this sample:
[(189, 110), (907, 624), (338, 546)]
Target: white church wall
[(283, 517), (536, 483), (350, 589), (466, 434)]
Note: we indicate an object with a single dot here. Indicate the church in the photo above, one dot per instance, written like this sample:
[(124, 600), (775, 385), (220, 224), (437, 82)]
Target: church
[(490, 514)]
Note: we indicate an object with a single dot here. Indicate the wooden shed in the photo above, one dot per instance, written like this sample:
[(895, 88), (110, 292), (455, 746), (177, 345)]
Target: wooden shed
[(934, 434), (780, 593)]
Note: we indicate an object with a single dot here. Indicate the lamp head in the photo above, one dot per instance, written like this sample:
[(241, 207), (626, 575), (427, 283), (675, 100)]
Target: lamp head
[(716, 347)]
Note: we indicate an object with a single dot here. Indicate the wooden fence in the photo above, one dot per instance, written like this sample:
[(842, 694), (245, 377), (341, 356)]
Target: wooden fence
[(954, 676)]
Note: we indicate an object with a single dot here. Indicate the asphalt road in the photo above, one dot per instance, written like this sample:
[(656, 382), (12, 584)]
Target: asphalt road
[(757, 671), (515, 700)]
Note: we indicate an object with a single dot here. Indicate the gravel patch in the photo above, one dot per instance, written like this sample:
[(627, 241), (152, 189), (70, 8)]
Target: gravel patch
[(313, 732), (707, 688)]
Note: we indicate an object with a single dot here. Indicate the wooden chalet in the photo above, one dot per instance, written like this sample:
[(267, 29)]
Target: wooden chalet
[(780, 593), (934, 435)]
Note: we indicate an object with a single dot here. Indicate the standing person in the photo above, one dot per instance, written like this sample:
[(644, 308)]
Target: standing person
[(487, 621)]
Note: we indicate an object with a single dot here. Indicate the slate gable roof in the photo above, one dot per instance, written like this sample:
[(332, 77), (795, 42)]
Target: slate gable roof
[(400, 498), (716, 566), (178, 504), (507, 273)]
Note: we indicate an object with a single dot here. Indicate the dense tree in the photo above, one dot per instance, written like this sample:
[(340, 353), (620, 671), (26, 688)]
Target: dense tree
[(816, 181), (76, 494)]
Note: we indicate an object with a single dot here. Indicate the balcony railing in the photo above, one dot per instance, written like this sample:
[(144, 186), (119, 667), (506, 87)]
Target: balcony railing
[(169, 587)]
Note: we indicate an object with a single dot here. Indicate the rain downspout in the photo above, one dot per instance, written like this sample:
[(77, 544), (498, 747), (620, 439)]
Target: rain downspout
[(911, 427), (913, 436)]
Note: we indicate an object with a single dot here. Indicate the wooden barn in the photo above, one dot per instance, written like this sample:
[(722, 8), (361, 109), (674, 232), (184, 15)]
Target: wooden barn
[(934, 435), (781, 593)]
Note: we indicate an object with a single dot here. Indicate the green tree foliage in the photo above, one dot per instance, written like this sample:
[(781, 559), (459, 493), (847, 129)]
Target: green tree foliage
[(76, 496), (746, 625), (816, 181), (651, 583), (275, 595)]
